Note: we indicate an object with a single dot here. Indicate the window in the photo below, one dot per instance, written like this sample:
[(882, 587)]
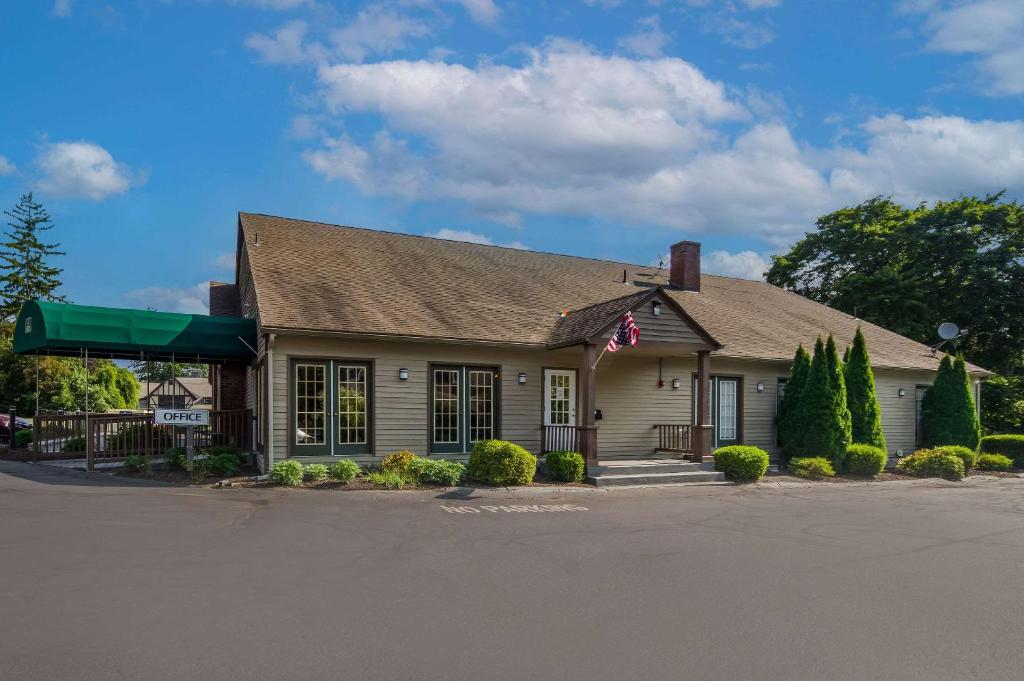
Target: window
[(331, 407), (919, 392), (464, 407), (727, 409)]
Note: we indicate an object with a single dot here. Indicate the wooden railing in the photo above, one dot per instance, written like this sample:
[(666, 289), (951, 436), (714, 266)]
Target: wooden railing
[(114, 436), (674, 438), (560, 438)]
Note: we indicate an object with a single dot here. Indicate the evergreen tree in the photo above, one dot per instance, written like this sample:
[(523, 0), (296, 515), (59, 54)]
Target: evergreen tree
[(24, 271), (824, 416), (788, 420), (948, 413), (865, 413)]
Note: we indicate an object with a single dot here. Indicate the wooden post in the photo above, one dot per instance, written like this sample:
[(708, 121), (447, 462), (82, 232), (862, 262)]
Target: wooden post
[(588, 401), (703, 431), (89, 463)]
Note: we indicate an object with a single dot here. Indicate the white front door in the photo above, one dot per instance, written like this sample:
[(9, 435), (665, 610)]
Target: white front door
[(559, 406)]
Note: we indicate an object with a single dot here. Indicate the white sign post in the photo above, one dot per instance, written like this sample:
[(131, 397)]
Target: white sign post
[(183, 418)]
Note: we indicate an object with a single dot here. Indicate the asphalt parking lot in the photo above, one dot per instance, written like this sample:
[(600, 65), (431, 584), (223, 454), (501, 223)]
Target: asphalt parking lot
[(110, 579)]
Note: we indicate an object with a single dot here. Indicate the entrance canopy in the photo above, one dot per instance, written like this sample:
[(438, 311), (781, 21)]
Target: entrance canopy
[(63, 329)]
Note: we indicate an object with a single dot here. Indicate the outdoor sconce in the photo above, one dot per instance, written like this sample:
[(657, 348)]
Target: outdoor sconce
[(403, 374), (760, 386), (675, 384), (521, 378), (656, 308), (901, 392)]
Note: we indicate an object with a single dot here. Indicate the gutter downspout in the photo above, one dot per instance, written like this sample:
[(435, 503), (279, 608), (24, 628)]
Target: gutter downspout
[(270, 404)]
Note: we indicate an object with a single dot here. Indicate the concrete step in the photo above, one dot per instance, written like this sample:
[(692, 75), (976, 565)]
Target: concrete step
[(645, 467), (702, 477)]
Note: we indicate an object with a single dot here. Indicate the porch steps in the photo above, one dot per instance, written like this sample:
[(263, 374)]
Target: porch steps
[(653, 472)]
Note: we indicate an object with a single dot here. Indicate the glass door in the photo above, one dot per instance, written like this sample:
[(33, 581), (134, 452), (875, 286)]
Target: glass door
[(724, 392), (559, 405)]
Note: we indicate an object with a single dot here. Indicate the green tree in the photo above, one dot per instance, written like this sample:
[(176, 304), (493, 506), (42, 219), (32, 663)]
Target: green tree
[(948, 411), (25, 272), (910, 269), (158, 372), (823, 413), (865, 412), (788, 421)]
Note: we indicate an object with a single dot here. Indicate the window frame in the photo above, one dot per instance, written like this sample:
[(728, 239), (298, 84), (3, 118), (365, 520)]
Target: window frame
[(464, 444), (333, 446), (713, 394)]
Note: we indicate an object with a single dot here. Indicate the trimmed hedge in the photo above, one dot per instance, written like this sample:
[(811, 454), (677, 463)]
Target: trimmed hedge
[(932, 463), (741, 463), (565, 466), (1007, 445), (287, 472), (994, 462), (812, 467), (865, 460), (343, 470), (965, 454), (501, 463)]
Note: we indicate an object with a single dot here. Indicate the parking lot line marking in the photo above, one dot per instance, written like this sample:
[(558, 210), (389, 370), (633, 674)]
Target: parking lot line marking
[(514, 508)]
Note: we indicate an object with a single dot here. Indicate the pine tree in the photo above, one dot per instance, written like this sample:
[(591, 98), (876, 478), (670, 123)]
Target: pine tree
[(824, 416), (788, 422), (24, 271), (865, 413), (948, 412)]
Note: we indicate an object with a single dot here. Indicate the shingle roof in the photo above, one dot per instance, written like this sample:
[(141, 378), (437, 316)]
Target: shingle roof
[(585, 323), (317, 277)]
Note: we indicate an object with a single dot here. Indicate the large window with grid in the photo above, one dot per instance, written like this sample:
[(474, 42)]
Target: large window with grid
[(331, 407), (464, 407)]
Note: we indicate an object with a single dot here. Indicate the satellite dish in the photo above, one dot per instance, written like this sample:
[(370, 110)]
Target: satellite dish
[(948, 331)]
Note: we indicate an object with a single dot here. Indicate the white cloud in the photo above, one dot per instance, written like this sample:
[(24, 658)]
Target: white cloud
[(286, 46), (636, 141), (62, 8), (273, 4), (482, 11), (472, 237), (82, 170), (6, 167), (988, 29), (190, 300), (376, 30), (648, 40), (304, 127), (225, 261), (745, 264)]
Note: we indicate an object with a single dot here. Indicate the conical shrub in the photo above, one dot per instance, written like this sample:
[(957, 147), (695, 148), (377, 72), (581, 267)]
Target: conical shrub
[(824, 416), (949, 415), (788, 419), (865, 413)]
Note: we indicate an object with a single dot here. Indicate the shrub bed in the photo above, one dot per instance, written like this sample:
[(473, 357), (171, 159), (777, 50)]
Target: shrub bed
[(994, 462), (388, 479), (1011, 446), (741, 463), (287, 472), (932, 463), (812, 468), (865, 460), (965, 454), (22, 438), (343, 470), (314, 472), (398, 462), (565, 466), (501, 463), (438, 471), (137, 463)]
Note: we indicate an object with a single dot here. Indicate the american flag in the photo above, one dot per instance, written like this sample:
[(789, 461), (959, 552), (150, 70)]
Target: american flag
[(628, 333)]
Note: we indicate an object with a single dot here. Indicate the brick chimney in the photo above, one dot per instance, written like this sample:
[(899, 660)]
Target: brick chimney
[(685, 272)]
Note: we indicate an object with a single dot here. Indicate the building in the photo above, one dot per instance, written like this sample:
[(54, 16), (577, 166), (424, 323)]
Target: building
[(183, 392), (370, 342)]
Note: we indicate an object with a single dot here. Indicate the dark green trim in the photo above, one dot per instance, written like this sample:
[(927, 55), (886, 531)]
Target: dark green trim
[(347, 449), (296, 448), (464, 444)]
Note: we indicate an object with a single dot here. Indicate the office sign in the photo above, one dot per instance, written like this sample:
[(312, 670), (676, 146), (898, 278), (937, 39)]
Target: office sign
[(181, 417)]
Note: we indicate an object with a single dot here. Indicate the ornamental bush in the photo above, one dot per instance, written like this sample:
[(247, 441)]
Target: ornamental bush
[(287, 472), (497, 462), (222, 461), (137, 463), (343, 470), (565, 466), (823, 413), (865, 412), (1007, 445), (968, 456), (865, 460), (948, 412), (314, 472), (741, 463), (438, 471), (788, 422), (388, 479), (22, 438), (397, 462), (175, 457), (812, 468), (932, 463), (994, 462)]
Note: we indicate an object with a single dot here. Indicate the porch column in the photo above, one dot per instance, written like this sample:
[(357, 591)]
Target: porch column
[(703, 431), (588, 400)]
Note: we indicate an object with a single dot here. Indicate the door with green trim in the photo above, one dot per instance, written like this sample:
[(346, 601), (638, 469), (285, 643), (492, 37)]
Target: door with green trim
[(310, 416), (464, 407), (353, 388)]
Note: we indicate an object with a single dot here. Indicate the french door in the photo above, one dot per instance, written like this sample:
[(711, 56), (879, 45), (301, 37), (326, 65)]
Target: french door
[(724, 392), (559, 404), (464, 407), (331, 407)]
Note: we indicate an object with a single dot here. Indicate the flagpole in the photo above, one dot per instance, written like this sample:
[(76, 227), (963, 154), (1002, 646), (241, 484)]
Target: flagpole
[(599, 357)]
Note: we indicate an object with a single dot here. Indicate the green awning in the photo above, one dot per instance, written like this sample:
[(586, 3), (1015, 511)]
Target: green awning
[(64, 329)]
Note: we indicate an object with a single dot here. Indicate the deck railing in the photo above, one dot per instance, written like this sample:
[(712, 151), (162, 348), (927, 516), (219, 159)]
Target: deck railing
[(114, 436), (674, 438), (560, 438)]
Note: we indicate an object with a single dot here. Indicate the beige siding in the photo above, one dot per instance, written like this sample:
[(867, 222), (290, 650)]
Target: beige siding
[(668, 327), (759, 409)]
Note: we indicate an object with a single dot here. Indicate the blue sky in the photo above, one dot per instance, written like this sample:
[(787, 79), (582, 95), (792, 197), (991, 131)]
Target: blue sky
[(599, 128)]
